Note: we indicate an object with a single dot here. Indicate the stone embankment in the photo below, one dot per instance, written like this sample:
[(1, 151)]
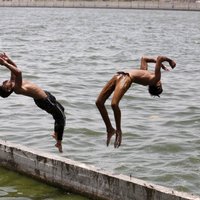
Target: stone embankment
[(82, 179)]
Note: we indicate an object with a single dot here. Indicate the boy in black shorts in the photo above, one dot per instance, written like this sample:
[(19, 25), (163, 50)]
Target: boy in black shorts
[(43, 99)]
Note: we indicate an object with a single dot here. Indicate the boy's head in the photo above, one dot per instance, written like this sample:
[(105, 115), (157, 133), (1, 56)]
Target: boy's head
[(156, 90), (6, 89)]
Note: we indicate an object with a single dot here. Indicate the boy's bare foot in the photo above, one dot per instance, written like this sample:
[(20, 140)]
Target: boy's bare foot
[(118, 139), (59, 142), (110, 133), (59, 146)]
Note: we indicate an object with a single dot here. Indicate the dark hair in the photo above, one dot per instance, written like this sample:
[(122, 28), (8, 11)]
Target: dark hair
[(155, 90), (4, 93)]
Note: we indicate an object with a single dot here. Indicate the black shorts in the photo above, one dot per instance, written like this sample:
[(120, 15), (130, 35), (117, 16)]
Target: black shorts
[(53, 107)]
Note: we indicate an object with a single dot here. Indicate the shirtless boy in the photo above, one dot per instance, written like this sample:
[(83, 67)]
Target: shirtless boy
[(43, 99), (121, 82)]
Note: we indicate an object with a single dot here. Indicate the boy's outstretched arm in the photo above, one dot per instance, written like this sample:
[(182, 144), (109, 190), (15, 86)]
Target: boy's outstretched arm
[(161, 59), (5, 57), (145, 61), (159, 65), (17, 73)]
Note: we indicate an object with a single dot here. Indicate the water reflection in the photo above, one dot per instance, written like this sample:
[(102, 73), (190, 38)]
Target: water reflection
[(14, 186)]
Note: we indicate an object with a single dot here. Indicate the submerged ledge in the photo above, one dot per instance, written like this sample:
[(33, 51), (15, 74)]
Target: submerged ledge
[(80, 178), (190, 5)]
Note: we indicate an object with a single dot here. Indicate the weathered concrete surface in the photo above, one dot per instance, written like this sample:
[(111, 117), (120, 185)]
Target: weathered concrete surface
[(81, 178), (130, 4)]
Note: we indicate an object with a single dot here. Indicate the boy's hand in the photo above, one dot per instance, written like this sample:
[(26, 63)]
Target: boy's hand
[(172, 64), (2, 61), (7, 59), (164, 68), (4, 56)]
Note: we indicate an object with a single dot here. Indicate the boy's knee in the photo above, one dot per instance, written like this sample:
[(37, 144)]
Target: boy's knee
[(98, 103), (114, 105)]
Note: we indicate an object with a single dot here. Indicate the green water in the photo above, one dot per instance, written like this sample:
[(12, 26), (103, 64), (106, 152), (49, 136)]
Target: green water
[(14, 186)]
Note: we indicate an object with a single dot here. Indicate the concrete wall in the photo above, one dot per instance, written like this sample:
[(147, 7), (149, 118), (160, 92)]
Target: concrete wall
[(80, 178), (131, 4)]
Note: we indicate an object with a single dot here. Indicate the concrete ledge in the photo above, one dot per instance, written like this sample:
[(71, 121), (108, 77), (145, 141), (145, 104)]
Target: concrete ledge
[(80, 178)]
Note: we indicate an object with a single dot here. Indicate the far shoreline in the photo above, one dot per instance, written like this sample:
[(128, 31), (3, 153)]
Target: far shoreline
[(101, 4)]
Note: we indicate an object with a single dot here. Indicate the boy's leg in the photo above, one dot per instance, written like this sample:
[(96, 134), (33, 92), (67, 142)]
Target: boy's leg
[(122, 85), (59, 117), (103, 96), (50, 106)]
